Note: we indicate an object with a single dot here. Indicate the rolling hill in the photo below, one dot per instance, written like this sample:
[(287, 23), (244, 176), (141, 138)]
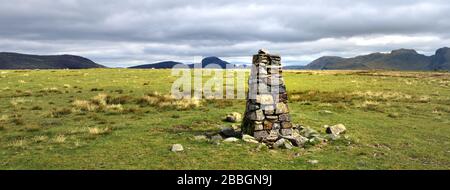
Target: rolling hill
[(160, 65), (25, 61), (208, 61), (401, 59)]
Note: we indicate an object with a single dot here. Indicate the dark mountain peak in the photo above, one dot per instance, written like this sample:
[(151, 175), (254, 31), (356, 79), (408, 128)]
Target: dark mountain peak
[(441, 60), (443, 51), (400, 59), (403, 51), (159, 65), (329, 57), (10, 60), (214, 60), (322, 62)]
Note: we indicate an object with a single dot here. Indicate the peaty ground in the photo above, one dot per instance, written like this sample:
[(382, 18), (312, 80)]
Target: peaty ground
[(124, 119)]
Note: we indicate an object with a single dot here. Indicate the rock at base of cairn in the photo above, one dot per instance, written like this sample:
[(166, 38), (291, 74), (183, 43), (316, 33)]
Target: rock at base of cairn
[(267, 113)]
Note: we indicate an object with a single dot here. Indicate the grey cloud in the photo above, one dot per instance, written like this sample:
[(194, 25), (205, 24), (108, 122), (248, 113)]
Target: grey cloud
[(146, 31)]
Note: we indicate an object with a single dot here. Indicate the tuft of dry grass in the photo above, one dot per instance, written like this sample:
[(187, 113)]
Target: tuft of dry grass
[(32, 127), (100, 100), (18, 143), (114, 108), (382, 96), (98, 131), (39, 139), (57, 113), (51, 90), (119, 100), (351, 97), (59, 139), (4, 118), (17, 120), (84, 105), (147, 100), (424, 99), (35, 108), (167, 101), (17, 101), (187, 103)]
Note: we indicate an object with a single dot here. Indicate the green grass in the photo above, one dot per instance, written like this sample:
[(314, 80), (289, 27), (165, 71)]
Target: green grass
[(395, 120)]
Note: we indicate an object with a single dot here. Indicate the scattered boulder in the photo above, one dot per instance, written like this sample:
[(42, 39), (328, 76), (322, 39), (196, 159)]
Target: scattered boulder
[(282, 143), (249, 139), (315, 140), (336, 129), (231, 139), (309, 133), (177, 148), (288, 145), (297, 140), (273, 136), (234, 117), (228, 132), (216, 138), (333, 137), (313, 161)]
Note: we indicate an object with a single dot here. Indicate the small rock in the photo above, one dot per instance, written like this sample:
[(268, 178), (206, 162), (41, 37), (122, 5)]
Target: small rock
[(309, 133), (216, 138), (249, 139), (325, 112), (315, 140), (298, 140), (262, 147), (286, 132), (260, 134), (282, 143), (228, 132), (177, 148), (231, 139), (281, 108), (298, 127), (313, 161), (288, 145), (279, 143), (336, 129), (264, 99), (333, 137), (273, 136), (234, 117)]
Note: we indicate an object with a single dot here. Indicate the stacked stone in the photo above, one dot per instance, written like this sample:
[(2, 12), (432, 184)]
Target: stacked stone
[(267, 114)]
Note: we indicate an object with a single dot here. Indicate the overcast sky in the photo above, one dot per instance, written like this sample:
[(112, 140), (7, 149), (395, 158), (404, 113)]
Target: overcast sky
[(130, 32)]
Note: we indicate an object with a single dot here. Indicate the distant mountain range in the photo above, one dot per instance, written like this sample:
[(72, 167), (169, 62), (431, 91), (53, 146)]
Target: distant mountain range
[(25, 61), (208, 61), (401, 59), (160, 65)]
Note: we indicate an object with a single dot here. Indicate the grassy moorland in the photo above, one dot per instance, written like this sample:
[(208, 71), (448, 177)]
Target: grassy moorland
[(123, 119)]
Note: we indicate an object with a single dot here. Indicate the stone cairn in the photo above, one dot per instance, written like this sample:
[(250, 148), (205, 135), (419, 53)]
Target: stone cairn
[(267, 114)]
